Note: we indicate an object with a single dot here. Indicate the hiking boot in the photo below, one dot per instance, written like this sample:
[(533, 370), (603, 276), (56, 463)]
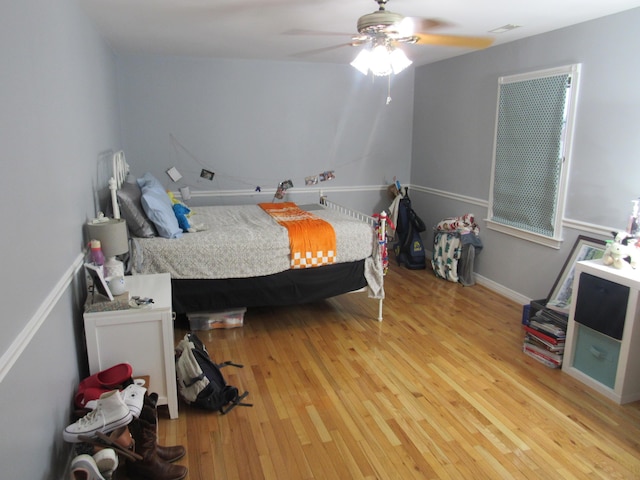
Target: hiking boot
[(152, 466), (150, 414), (110, 413)]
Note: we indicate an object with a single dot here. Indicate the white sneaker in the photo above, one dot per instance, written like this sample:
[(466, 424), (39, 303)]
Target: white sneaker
[(110, 413), (106, 461), (84, 467), (133, 397)]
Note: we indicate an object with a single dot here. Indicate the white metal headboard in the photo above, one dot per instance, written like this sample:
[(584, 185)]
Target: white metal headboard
[(120, 169)]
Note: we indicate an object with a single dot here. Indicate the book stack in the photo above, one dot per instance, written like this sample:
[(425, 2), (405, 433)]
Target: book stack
[(545, 335)]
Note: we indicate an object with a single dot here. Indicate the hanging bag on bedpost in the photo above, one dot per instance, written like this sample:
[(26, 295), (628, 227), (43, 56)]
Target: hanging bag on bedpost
[(200, 381)]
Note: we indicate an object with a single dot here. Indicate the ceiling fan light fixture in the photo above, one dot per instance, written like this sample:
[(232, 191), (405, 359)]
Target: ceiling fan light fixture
[(380, 61), (399, 60), (361, 62)]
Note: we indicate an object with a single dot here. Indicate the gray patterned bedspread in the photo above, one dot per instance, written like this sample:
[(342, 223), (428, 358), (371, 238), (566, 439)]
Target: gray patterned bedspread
[(241, 241)]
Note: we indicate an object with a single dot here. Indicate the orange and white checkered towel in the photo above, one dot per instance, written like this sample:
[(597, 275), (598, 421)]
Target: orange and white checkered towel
[(312, 240)]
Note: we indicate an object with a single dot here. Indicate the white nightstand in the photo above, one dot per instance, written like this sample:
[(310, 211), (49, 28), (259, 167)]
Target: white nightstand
[(603, 334), (141, 337)]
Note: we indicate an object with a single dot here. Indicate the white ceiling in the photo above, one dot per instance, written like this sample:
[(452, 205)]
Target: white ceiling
[(264, 29)]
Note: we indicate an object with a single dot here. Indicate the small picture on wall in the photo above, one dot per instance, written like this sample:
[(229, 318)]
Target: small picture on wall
[(282, 189), (328, 175), (208, 174)]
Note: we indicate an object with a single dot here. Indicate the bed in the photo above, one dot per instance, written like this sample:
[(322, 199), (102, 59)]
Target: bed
[(240, 256)]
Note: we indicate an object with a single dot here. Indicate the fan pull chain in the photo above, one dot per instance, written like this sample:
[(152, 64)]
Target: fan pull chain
[(388, 89)]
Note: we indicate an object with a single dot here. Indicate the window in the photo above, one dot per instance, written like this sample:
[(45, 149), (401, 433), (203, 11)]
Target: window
[(534, 122)]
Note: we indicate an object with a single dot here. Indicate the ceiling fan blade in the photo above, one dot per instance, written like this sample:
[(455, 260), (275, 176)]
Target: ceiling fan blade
[(240, 7), (453, 40), (321, 33), (315, 51), (421, 24)]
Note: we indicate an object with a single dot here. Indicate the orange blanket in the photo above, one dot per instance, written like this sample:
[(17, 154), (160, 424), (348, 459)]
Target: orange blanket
[(312, 240)]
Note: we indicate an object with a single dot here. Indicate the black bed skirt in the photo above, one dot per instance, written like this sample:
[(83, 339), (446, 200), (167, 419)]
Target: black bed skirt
[(291, 287)]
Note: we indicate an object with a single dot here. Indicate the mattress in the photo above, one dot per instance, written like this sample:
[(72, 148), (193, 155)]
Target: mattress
[(241, 241)]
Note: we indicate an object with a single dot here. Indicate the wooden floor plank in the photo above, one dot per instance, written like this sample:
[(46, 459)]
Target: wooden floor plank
[(439, 390)]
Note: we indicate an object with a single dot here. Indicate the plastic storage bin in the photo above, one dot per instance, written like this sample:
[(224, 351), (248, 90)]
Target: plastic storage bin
[(220, 319), (597, 355)]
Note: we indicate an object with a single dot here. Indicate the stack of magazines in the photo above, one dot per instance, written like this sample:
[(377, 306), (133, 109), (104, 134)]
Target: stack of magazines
[(545, 335)]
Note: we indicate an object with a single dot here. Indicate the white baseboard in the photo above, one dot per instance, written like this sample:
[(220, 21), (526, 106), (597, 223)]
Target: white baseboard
[(502, 290), (491, 285)]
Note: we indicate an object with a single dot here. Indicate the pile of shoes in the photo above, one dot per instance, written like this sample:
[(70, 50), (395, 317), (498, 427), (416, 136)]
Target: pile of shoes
[(116, 434), (91, 388), (102, 464)]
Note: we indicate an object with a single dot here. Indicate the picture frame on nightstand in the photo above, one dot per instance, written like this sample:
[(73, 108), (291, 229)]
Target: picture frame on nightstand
[(99, 282)]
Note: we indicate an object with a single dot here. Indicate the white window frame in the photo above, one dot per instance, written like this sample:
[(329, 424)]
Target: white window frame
[(555, 240)]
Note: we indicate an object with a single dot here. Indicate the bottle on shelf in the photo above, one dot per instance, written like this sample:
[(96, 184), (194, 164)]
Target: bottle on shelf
[(633, 226), (97, 257)]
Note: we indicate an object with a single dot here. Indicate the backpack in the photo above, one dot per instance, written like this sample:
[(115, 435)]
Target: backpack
[(409, 250), (200, 381)]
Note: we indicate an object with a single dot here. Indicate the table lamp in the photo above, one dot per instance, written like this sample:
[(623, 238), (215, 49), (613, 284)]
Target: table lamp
[(114, 240)]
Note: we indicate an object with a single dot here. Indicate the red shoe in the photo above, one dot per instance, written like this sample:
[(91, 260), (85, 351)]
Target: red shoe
[(92, 387)]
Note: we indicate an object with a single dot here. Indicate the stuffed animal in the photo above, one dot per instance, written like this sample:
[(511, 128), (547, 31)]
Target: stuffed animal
[(172, 197), (618, 250), (182, 212)]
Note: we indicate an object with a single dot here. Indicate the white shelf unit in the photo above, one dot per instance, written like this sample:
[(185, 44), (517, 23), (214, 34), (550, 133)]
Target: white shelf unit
[(609, 365), (140, 337)]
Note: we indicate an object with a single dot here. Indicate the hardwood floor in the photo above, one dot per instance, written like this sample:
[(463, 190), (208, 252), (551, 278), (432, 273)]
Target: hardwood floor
[(439, 390)]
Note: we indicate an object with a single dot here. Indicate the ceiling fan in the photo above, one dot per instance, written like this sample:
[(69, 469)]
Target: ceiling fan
[(383, 30), (397, 28)]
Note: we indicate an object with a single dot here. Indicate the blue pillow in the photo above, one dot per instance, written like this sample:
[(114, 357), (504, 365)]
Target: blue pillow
[(157, 205)]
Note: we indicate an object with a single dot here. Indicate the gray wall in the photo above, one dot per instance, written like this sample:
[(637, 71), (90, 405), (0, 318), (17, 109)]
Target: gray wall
[(58, 97), (453, 134), (259, 123)]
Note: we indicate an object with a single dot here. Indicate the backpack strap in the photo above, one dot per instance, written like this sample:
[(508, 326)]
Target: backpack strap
[(235, 402), (229, 363)]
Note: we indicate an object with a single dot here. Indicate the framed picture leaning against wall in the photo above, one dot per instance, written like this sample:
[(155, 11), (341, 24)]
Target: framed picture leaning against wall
[(585, 248)]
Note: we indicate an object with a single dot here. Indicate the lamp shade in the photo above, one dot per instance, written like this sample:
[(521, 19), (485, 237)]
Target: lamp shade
[(112, 234)]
